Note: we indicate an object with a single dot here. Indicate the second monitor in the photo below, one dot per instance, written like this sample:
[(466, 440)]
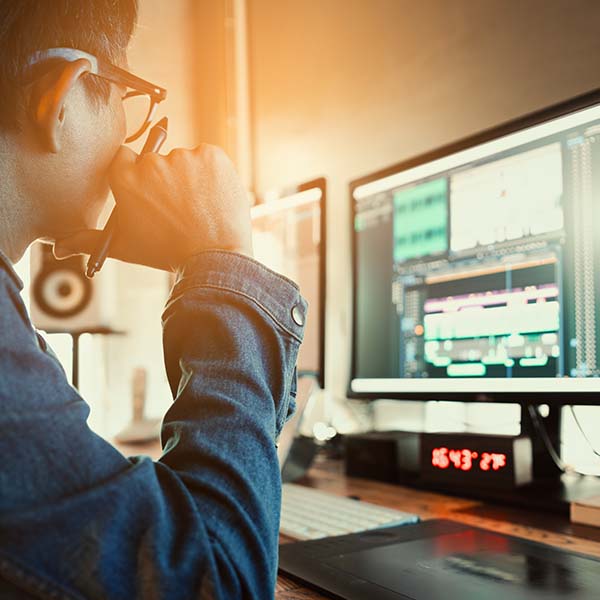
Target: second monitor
[(289, 237)]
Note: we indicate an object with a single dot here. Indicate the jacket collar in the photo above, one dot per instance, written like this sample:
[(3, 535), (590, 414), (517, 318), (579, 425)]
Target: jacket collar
[(7, 266)]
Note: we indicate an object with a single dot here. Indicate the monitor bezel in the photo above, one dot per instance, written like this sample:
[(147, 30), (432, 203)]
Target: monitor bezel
[(578, 103), (320, 183)]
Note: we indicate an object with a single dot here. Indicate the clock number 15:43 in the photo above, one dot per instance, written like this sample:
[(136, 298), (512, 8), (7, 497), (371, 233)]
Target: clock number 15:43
[(466, 459)]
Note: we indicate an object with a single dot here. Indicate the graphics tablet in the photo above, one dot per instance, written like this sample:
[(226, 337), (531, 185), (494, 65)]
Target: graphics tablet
[(440, 559)]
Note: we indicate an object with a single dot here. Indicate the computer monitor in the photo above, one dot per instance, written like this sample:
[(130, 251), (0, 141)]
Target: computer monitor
[(477, 266), (289, 235)]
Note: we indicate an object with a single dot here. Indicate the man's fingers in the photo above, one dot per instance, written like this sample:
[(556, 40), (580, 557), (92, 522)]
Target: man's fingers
[(122, 174), (124, 157), (82, 242), (123, 161)]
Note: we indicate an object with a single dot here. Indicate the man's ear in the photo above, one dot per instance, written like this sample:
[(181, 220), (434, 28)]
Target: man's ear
[(47, 100)]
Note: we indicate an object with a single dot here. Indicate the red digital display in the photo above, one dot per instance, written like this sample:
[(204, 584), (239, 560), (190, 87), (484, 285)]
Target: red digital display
[(465, 459), (471, 459)]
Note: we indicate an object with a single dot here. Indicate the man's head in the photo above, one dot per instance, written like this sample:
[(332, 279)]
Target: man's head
[(60, 129)]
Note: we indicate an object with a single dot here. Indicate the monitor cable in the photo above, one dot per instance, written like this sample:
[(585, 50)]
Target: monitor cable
[(583, 433), (541, 431)]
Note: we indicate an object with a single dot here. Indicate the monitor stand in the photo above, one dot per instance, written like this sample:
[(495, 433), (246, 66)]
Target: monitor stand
[(544, 432), (297, 452), (555, 489)]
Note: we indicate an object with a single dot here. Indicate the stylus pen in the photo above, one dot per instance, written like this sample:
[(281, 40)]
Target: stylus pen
[(156, 138)]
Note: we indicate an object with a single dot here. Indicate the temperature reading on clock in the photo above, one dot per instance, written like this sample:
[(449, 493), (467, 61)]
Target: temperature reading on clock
[(465, 459), (492, 460)]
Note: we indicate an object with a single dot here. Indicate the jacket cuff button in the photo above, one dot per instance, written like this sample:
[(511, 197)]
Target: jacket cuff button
[(297, 315)]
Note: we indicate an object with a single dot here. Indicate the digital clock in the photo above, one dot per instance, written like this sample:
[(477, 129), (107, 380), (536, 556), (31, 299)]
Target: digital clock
[(466, 459), (482, 460)]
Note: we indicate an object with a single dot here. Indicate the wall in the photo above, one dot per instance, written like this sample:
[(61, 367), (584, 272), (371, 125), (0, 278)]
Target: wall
[(344, 87)]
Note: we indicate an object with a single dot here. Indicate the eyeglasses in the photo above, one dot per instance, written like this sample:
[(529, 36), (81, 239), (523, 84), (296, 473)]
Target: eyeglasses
[(139, 102)]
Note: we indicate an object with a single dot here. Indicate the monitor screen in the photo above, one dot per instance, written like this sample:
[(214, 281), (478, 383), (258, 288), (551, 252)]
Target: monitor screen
[(289, 237), (476, 271)]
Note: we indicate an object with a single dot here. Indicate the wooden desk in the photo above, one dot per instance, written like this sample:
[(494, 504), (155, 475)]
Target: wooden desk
[(546, 528)]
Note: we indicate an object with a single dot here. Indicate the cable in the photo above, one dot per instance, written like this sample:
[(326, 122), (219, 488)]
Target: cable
[(585, 437), (541, 430)]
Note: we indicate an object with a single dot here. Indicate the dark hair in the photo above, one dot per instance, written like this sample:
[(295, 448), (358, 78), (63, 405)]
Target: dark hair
[(100, 27)]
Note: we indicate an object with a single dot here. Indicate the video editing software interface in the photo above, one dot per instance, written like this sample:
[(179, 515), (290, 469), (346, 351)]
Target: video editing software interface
[(480, 268), (287, 238)]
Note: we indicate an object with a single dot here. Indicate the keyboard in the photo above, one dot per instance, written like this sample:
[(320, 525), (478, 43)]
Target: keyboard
[(309, 514)]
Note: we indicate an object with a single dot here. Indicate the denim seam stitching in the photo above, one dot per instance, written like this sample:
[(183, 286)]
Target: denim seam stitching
[(243, 257), (32, 581)]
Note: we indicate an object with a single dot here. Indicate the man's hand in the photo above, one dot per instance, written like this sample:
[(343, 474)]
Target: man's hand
[(170, 208)]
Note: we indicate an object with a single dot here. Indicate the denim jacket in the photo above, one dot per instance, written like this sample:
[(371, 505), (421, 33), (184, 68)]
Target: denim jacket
[(80, 520)]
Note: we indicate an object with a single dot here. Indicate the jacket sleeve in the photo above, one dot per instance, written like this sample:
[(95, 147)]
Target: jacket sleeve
[(203, 521)]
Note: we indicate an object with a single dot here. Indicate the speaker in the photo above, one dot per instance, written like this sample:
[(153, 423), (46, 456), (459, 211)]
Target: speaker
[(63, 298), (391, 456)]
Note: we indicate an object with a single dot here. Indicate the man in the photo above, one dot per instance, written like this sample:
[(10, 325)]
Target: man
[(78, 519)]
